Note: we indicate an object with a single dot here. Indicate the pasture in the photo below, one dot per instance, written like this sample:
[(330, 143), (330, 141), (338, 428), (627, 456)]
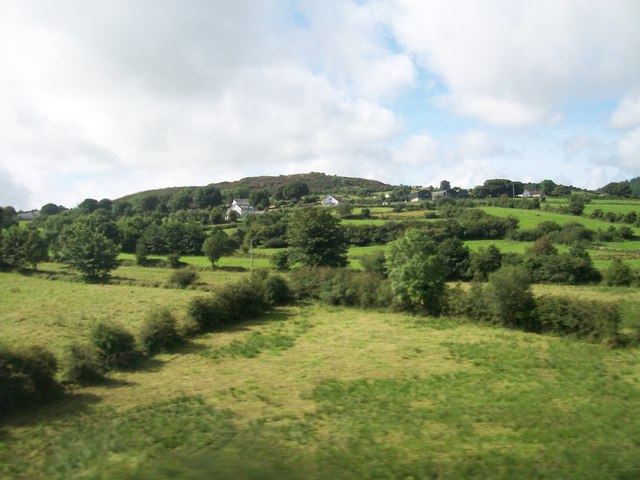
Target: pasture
[(313, 391), (530, 218)]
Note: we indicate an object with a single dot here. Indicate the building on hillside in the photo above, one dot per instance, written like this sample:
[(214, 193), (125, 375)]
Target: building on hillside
[(241, 207), (420, 195), (331, 201), (28, 216), (531, 194)]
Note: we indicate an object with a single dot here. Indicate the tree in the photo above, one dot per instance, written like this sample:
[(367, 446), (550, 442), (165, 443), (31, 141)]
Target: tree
[(49, 209), (216, 245), (8, 217), (417, 272), (105, 204), (22, 246), (89, 252), (508, 295), (456, 256), (207, 197), (35, 248), (88, 205), (148, 203), (485, 261), (400, 194), (180, 200), (12, 247), (344, 209), (316, 238), (548, 187), (618, 189), (260, 199), (293, 191), (576, 205)]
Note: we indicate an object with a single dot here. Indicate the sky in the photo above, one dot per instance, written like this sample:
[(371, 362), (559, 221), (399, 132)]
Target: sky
[(103, 98)]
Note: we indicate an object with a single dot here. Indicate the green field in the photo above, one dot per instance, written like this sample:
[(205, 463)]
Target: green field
[(323, 392), (615, 206), (530, 218)]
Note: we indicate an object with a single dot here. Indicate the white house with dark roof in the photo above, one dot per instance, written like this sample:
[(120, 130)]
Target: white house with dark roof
[(241, 207), (331, 201)]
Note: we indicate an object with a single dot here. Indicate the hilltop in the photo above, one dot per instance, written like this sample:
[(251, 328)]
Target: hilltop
[(318, 183)]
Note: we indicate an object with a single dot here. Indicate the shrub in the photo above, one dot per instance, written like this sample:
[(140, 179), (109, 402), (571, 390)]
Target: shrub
[(173, 260), (589, 319), (342, 287), (619, 274), (374, 262), (484, 261), (83, 365), (27, 376), (182, 278), (159, 332), (277, 290), (141, 253), (280, 260), (471, 303), (229, 305), (116, 346), (205, 313)]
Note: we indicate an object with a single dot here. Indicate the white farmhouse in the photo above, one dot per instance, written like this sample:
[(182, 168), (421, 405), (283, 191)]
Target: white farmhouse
[(331, 201), (241, 207)]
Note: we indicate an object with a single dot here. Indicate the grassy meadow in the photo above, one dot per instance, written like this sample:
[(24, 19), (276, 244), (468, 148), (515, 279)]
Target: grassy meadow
[(312, 391)]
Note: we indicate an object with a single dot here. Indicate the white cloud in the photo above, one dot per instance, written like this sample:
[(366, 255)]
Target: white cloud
[(108, 97), (629, 150), (418, 149), (514, 63), (476, 144), (627, 115), (502, 112), (93, 94), (11, 192), (587, 149)]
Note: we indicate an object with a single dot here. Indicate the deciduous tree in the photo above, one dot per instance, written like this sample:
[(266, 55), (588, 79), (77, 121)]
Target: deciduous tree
[(217, 245), (88, 251), (316, 238), (417, 272)]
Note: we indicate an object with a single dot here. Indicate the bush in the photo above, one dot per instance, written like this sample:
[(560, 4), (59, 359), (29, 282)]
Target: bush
[(83, 365), (205, 313), (173, 260), (277, 290), (471, 304), (592, 320), (374, 263), (159, 332), (619, 274), (229, 305), (27, 376), (280, 260), (343, 287), (116, 346), (182, 278)]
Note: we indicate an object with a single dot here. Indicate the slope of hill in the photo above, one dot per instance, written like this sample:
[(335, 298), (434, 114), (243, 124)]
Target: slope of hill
[(318, 183)]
